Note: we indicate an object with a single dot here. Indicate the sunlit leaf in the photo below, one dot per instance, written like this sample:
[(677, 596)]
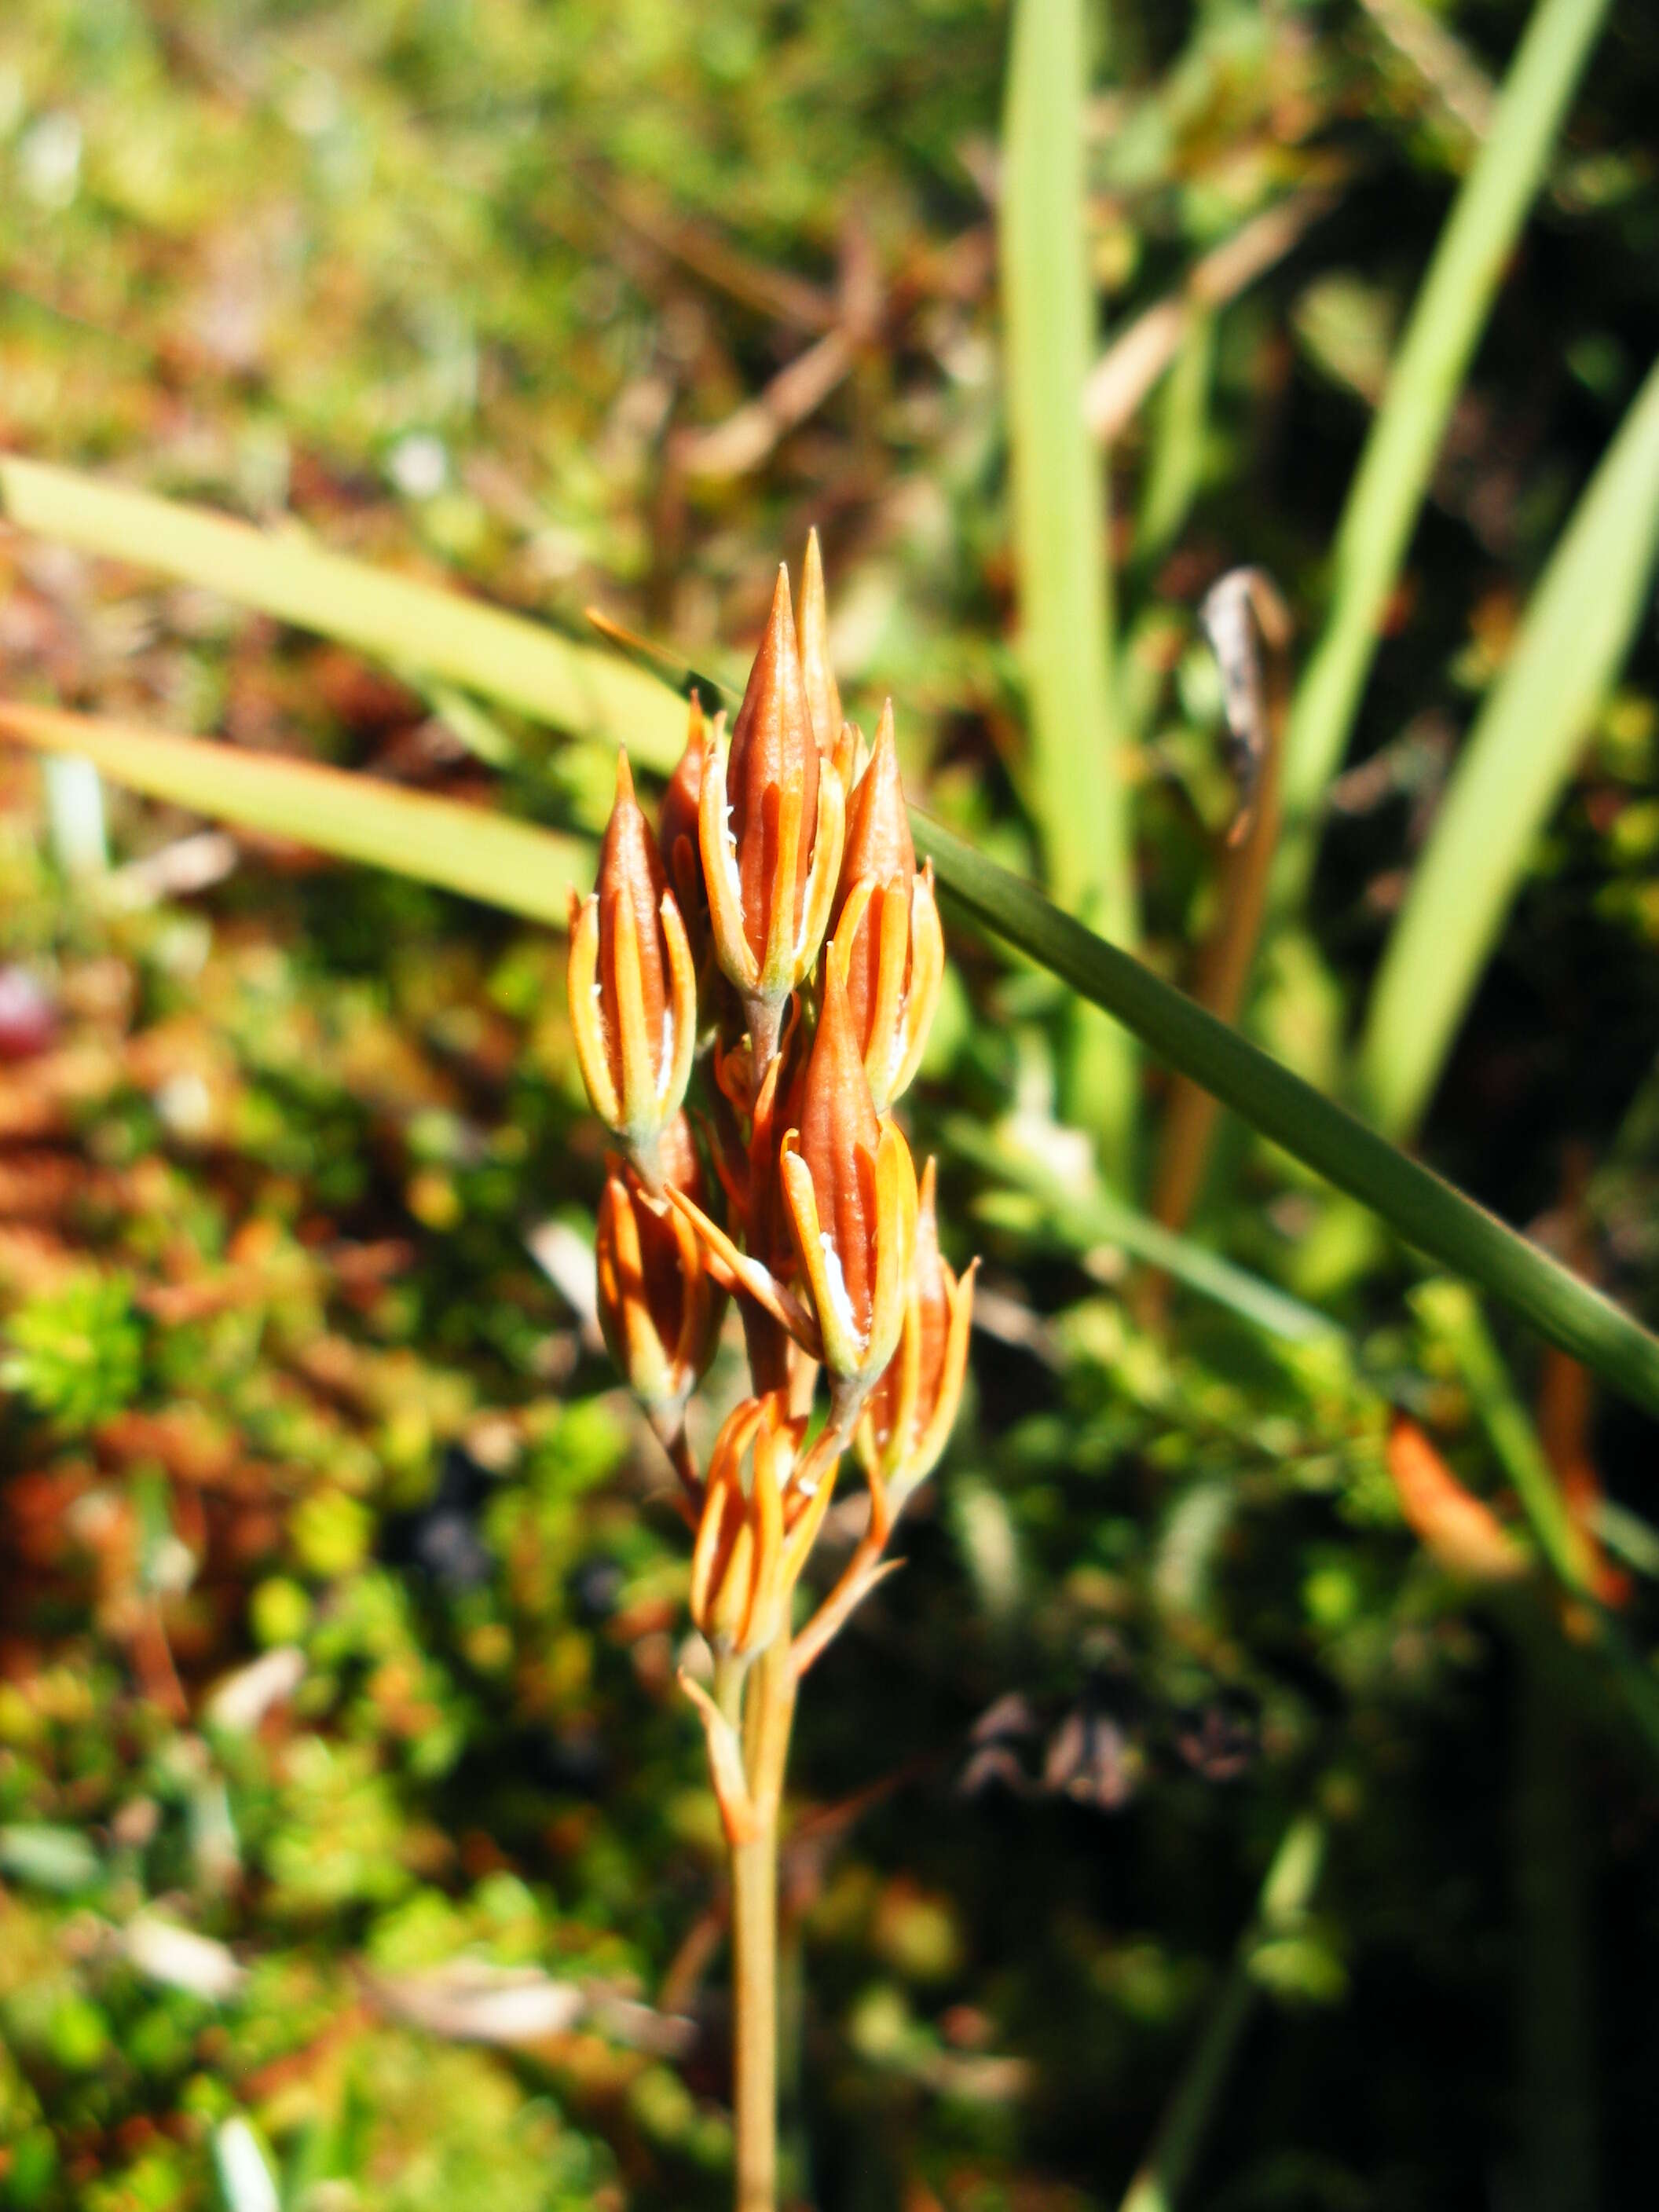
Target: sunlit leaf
[(437, 841)]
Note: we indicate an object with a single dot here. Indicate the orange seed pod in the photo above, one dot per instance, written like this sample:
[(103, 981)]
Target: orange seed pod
[(633, 986), (887, 939), (769, 829), (850, 1188), (907, 1417), (763, 1503), (660, 1309), (823, 693)]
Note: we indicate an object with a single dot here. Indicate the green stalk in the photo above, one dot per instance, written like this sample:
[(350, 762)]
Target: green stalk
[(769, 1708), (1190, 2114), (1398, 462), (1578, 629), (1423, 1208), (755, 2014), (1075, 786)]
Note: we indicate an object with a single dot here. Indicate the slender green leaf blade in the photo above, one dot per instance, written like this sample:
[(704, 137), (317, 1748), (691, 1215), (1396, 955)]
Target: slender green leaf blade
[(1075, 786), (1423, 1208), (1578, 629), (485, 856), (1428, 370), (580, 688)]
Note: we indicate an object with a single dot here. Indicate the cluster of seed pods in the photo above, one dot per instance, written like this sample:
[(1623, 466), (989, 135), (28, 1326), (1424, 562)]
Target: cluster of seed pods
[(751, 992)]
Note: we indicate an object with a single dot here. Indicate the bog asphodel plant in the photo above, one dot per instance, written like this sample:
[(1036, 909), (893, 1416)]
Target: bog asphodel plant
[(751, 993)]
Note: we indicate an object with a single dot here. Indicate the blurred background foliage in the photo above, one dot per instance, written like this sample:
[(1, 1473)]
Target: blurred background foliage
[(353, 1849)]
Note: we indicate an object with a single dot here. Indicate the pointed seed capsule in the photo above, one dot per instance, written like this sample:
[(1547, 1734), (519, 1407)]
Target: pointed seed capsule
[(769, 829), (907, 1417), (823, 693), (756, 1530), (633, 987), (878, 844), (850, 1187), (887, 941), (660, 1309), (677, 826)]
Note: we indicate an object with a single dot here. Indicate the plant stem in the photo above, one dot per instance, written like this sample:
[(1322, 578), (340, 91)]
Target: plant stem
[(1250, 632), (754, 1994), (769, 1713), (1286, 1895)]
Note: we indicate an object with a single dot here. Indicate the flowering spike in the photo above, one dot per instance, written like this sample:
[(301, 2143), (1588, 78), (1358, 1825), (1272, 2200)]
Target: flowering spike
[(659, 1307), (907, 1417), (769, 829), (766, 840), (822, 695), (632, 987)]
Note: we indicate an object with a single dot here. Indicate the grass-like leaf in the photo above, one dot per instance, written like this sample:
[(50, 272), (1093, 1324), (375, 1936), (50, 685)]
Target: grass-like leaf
[(582, 689), (1446, 323), (484, 856), (1074, 786), (1423, 1208), (1577, 631)]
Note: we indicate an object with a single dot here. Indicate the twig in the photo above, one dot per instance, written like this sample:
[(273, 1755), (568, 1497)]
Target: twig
[(1190, 2112), (1133, 362), (1458, 83), (731, 448), (775, 292), (1242, 608)]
